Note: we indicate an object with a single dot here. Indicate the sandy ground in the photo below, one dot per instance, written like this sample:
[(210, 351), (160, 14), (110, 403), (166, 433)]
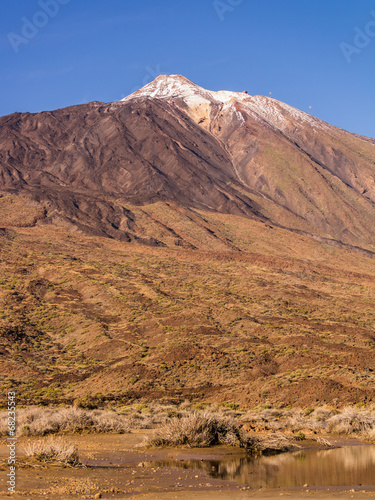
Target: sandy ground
[(267, 495), (118, 467)]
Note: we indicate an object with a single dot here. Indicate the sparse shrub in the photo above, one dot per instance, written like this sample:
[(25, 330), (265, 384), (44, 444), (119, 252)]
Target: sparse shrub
[(300, 436), (53, 449), (199, 406), (322, 414), (230, 405), (265, 406), (352, 421), (324, 442), (278, 420), (201, 430), (86, 402), (275, 443)]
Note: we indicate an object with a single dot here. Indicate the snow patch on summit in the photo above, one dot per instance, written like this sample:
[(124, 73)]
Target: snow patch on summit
[(200, 100), (277, 113), (173, 86)]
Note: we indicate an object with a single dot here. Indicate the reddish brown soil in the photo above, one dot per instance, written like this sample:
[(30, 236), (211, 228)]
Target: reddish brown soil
[(108, 321)]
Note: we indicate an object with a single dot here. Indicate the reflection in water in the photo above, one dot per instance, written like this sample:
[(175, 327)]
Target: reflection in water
[(338, 467)]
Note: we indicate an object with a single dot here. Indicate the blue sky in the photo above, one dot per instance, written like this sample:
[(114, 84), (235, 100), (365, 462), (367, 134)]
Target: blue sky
[(75, 51)]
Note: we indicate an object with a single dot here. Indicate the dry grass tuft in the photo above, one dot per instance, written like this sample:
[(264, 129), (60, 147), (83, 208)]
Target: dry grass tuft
[(201, 429), (324, 442), (53, 449), (353, 421), (275, 443), (41, 421)]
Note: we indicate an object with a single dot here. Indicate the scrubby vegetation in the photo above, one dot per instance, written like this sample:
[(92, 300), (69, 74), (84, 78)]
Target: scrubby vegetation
[(353, 422), (199, 425), (53, 449), (206, 428), (202, 429), (42, 421), (350, 421), (265, 430)]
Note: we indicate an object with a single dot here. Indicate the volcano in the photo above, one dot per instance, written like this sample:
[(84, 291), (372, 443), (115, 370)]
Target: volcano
[(92, 167), (185, 243)]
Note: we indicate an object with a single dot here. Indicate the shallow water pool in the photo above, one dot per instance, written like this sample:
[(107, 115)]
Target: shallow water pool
[(346, 466)]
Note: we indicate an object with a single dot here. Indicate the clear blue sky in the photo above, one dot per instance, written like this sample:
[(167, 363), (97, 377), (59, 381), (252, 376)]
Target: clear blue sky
[(102, 50)]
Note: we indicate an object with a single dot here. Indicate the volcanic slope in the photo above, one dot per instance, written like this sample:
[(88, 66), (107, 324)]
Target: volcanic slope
[(105, 320), (160, 165), (184, 243)]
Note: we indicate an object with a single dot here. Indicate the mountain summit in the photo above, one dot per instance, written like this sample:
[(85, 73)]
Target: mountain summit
[(177, 86), (92, 167), (195, 97)]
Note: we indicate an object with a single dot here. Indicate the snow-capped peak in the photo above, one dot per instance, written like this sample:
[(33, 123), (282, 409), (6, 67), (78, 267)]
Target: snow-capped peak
[(173, 86)]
